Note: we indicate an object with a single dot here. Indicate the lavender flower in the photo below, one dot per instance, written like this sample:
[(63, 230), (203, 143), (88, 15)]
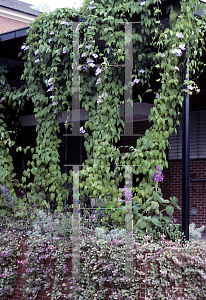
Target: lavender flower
[(2, 98), (87, 46), (89, 61), (163, 54), (179, 35), (98, 71), (95, 55), (190, 87), (36, 52), (85, 67), (37, 60), (54, 103), (55, 111), (51, 97), (157, 96), (64, 51), (49, 82), (3, 82), (98, 81), (50, 40), (91, 2), (23, 47), (50, 89), (64, 23), (158, 176), (81, 130), (99, 100), (83, 54), (92, 65), (26, 48), (52, 33), (182, 46), (141, 71), (92, 6), (142, 3), (178, 52), (136, 80)]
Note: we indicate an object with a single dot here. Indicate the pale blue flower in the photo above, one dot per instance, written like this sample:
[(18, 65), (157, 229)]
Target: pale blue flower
[(163, 54), (50, 40), (37, 60), (83, 54), (54, 103), (23, 47), (52, 33), (36, 52), (91, 65), (26, 48), (136, 80), (87, 46), (106, 95), (85, 67), (51, 97), (91, 2), (92, 6), (141, 71), (3, 83), (64, 51), (179, 35), (94, 55), (99, 100), (190, 87), (55, 111), (142, 3), (2, 98)]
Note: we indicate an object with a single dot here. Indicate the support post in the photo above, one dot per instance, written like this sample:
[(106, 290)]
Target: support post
[(185, 152)]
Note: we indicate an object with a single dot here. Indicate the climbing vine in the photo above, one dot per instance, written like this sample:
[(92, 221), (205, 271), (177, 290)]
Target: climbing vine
[(158, 52)]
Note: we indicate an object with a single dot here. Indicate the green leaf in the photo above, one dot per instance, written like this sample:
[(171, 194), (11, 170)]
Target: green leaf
[(170, 210), (155, 220)]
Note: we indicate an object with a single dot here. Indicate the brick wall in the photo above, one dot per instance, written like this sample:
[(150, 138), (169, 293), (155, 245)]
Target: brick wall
[(172, 186), (7, 24)]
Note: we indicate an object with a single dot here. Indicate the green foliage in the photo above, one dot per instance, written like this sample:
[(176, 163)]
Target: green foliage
[(50, 86)]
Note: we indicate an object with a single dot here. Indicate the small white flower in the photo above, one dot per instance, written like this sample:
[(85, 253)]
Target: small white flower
[(141, 71), (142, 3), (176, 68), (95, 55)]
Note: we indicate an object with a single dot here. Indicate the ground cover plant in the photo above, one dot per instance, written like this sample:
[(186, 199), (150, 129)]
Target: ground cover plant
[(158, 53)]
